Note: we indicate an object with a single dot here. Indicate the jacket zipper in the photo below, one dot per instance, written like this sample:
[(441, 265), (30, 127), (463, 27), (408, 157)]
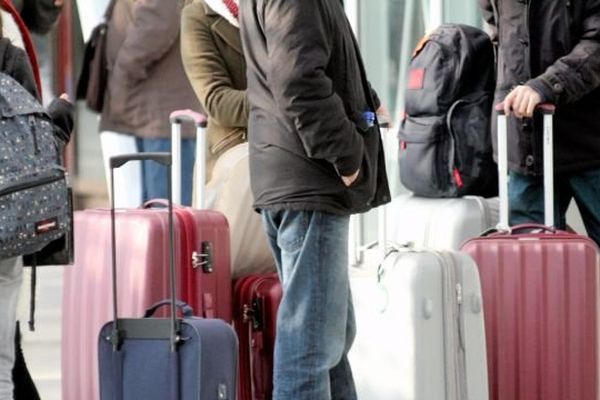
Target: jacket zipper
[(30, 185)]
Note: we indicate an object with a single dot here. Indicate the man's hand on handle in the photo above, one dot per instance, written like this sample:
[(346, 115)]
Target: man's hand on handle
[(522, 101)]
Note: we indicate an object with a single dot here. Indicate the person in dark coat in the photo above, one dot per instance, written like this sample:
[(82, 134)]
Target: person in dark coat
[(39, 15), (315, 158), (549, 52)]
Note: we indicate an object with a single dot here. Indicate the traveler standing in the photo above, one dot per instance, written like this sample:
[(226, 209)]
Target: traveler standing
[(146, 83), (315, 158), (14, 62), (214, 62), (549, 51)]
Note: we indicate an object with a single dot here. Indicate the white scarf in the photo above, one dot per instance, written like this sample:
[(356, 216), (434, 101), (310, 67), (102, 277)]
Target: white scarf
[(220, 8)]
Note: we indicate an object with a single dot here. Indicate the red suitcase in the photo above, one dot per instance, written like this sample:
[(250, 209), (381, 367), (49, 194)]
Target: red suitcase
[(203, 271), (257, 299), (540, 295)]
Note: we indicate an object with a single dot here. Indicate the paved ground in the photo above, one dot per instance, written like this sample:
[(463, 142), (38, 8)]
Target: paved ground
[(42, 347)]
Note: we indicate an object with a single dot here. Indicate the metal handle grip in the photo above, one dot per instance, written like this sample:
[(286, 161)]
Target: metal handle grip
[(119, 161), (179, 116)]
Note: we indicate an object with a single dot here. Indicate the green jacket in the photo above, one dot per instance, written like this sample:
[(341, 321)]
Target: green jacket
[(214, 62)]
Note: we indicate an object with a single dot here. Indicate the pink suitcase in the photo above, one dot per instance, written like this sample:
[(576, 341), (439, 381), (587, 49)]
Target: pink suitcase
[(203, 270), (540, 296)]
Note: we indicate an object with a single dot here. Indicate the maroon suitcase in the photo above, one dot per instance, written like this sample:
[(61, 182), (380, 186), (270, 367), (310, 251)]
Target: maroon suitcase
[(257, 299), (203, 272), (540, 296)]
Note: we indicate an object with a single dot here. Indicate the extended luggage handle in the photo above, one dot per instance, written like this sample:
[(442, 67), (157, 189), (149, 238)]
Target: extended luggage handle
[(186, 309), (177, 118), (548, 111), (115, 163)]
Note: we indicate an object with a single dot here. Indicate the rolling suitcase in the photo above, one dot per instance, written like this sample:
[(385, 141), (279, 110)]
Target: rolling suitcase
[(202, 263), (540, 298), (420, 329), (163, 358), (257, 299), (441, 224)]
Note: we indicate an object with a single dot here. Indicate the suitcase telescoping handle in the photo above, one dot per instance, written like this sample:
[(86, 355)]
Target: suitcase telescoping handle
[(548, 113), (115, 163), (199, 120)]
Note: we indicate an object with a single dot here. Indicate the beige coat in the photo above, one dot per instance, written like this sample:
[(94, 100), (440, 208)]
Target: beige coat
[(214, 62), (146, 77)]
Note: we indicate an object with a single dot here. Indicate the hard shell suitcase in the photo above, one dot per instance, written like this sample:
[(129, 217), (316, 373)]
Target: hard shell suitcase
[(202, 263), (420, 329), (540, 297), (256, 302), (163, 358), (441, 224)]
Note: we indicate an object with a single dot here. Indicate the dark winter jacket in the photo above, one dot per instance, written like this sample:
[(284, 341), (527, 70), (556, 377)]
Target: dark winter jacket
[(554, 47), (39, 15), (307, 90)]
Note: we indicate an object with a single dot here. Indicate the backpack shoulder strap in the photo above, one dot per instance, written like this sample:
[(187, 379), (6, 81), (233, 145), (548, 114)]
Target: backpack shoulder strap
[(7, 6)]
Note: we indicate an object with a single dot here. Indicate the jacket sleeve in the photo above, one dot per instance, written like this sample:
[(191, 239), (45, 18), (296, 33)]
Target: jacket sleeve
[(487, 12), (208, 73), (153, 31), (298, 38), (578, 73), (40, 15)]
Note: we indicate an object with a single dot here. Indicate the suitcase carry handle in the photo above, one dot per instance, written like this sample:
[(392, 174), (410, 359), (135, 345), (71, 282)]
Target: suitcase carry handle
[(115, 163), (185, 308), (159, 202), (177, 118), (548, 112), (525, 228)]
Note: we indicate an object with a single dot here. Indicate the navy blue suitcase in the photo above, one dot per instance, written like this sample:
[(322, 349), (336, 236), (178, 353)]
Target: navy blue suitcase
[(165, 358)]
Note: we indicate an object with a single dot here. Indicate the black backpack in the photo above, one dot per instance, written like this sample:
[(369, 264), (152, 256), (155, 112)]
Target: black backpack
[(445, 137)]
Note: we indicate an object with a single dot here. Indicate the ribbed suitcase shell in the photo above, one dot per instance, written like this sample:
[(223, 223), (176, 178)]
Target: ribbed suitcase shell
[(142, 260), (420, 329), (540, 296), (257, 299), (440, 224)]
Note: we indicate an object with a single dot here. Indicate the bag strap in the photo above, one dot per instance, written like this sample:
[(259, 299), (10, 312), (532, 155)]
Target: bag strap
[(31, 321), (109, 10)]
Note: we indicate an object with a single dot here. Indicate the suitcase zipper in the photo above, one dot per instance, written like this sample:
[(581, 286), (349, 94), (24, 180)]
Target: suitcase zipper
[(460, 361)]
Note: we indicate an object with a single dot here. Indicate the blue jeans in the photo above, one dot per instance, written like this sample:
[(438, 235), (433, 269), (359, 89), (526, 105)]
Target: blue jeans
[(527, 199), (154, 175), (315, 322)]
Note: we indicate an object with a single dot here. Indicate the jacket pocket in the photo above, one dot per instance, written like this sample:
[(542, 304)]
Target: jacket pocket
[(424, 145)]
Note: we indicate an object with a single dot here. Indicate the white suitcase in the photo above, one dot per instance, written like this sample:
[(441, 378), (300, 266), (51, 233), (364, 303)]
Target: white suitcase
[(440, 224), (420, 328)]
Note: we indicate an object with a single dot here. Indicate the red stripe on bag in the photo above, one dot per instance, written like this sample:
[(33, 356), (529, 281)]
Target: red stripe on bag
[(403, 145), (416, 79), (458, 179), (233, 8)]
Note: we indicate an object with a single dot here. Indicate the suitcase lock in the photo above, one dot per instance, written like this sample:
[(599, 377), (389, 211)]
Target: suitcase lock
[(204, 259)]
